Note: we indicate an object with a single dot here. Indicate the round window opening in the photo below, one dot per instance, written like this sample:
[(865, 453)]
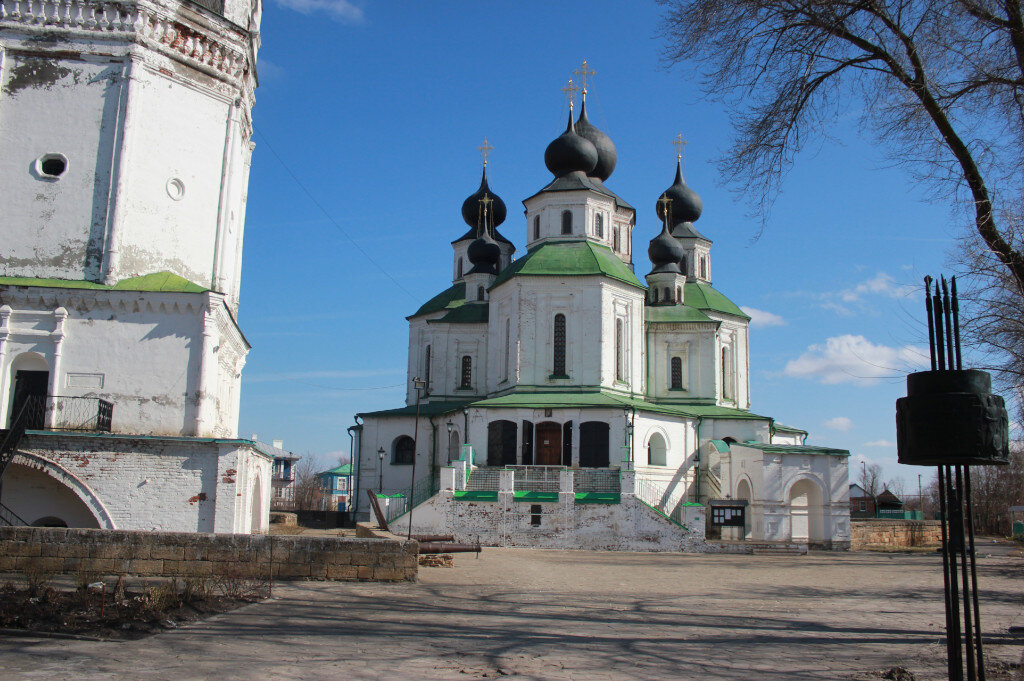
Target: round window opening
[(175, 189), (52, 165)]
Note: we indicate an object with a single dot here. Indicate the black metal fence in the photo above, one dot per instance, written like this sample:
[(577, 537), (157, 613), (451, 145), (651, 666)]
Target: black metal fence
[(69, 413)]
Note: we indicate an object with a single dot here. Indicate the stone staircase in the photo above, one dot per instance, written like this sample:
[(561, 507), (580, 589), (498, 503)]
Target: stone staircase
[(758, 548)]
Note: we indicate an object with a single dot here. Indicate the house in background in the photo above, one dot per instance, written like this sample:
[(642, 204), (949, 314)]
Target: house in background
[(282, 479), (338, 484), (862, 504), (889, 505)]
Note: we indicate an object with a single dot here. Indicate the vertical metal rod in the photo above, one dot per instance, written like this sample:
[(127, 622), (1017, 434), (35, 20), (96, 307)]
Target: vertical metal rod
[(931, 321), (954, 585), (940, 343), (950, 654), (972, 672), (956, 331), (974, 574), (947, 316)]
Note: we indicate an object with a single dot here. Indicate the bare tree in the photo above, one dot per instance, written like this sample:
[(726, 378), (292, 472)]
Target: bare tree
[(994, 489), (941, 82), (310, 493), (871, 479)]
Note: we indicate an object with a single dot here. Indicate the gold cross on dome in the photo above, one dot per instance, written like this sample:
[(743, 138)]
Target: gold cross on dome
[(570, 93), (486, 201), (583, 73), (484, 150), (666, 208), (680, 144)]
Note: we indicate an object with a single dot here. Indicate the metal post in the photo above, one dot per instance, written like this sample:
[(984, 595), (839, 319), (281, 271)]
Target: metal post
[(418, 385)]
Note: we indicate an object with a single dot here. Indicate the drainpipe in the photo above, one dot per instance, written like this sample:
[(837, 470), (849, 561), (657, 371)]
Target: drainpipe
[(434, 472), (700, 419)]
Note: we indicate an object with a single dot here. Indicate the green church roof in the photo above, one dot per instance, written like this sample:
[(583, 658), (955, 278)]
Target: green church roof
[(674, 314), (448, 299), (570, 259), (476, 313), (158, 282), (704, 297)]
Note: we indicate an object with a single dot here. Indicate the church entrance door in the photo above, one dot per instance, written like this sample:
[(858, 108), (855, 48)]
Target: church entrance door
[(549, 444)]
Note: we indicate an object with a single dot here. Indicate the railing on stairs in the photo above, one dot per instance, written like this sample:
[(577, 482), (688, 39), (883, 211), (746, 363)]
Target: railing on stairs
[(27, 416), (9, 517)]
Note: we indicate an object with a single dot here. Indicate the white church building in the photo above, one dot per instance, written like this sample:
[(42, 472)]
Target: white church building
[(563, 402), (124, 159)]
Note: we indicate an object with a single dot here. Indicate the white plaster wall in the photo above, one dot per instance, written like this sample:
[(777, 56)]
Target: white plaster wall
[(180, 485), (34, 495), (694, 344), (131, 112), (627, 526), (144, 352)]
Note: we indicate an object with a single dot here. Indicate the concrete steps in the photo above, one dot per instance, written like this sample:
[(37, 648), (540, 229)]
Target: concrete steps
[(758, 548)]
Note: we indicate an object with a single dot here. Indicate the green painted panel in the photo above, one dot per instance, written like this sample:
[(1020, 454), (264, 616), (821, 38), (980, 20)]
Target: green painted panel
[(704, 297), (598, 498), (449, 298), (535, 496), (675, 314), (475, 495)]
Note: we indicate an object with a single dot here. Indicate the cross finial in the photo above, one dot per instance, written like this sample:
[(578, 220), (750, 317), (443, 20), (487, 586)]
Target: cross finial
[(680, 144), (666, 209), (583, 73), (485, 149), (570, 93)]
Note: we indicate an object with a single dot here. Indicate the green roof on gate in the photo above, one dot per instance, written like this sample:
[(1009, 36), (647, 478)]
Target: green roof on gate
[(795, 449), (157, 282), (426, 409), (704, 297), (578, 258)]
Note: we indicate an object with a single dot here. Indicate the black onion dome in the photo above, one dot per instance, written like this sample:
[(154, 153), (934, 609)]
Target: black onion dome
[(606, 154), (569, 152), (665, 252), (484, 253), (471, 206), (686, 203)]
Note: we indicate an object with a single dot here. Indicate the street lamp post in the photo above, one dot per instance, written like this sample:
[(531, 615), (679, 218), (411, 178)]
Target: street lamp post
[(627, 412), (419, 385), (380, 483), (450, 427)]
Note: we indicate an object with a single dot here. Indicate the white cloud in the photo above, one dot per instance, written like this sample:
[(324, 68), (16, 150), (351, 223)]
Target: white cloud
[(879, 443), (268, 70), (839, 423), (760, 318), (342, 11), (843, 301), (854, 359)]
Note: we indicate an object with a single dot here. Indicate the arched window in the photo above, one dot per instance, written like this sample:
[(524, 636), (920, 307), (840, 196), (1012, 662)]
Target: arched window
[(657, 451), (682, 265), (620, 369), (655, 293), (615, 239), (566, 222), (727, 374), (426, 369), (536, 226), (599, 226), (402, 451), (668, 295), (479, 292), (679, 294), (558, 366), (459, 275), (703, 267), (677, 374), (467, 372)]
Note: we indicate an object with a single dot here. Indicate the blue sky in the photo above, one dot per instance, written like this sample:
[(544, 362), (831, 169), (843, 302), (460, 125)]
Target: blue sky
[(368, 119)]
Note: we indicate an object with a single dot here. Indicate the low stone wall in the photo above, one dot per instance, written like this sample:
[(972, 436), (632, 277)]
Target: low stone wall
[(866, 534), (183, 555)]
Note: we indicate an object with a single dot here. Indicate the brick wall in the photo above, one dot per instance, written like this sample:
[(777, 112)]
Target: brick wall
[(894, 533), (180, 554)]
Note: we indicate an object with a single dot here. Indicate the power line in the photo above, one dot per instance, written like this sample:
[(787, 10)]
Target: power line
[(323, 210)]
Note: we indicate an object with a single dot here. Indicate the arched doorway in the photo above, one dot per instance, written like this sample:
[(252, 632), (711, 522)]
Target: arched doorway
[(41, 500), (454, 444), (743, 493), (805, 511), (256, 510), (501, 443), (657, 451), (594, 444), (549, 444), (29, 384)]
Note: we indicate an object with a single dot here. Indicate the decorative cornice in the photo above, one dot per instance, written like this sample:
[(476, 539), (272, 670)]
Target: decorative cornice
[(141, 22)]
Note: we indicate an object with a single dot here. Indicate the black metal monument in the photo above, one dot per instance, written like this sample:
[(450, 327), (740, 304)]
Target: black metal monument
[(951, 419)]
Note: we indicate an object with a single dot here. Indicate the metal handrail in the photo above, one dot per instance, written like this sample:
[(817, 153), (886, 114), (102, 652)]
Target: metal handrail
[(9, 517)]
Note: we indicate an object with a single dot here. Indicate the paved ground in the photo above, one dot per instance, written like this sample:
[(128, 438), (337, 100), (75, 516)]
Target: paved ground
[(526, 614)]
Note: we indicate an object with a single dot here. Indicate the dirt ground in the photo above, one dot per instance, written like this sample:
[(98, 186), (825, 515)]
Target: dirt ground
[(529, 614)]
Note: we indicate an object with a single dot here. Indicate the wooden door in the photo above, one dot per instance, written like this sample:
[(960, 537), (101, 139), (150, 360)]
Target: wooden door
[(549, 444)]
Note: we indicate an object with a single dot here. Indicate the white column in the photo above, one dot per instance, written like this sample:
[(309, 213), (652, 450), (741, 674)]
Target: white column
[(59, 317), (206, 360)]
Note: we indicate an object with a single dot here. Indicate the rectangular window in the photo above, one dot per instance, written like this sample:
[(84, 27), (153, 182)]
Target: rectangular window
[(558, 365), (619, 358), (467, 372), (677, 374)]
